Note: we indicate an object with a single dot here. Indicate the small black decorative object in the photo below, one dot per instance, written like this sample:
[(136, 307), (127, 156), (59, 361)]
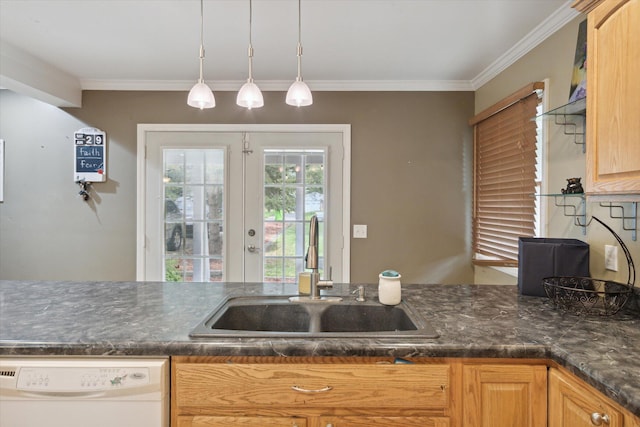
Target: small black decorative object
[(573, 186)]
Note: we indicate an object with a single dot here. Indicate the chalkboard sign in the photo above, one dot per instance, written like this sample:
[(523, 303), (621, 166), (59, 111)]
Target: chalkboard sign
[(90, 155)]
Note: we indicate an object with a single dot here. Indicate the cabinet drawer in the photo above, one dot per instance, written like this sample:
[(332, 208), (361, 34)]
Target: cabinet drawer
[(253, 386), (208, 421), (364, 421)]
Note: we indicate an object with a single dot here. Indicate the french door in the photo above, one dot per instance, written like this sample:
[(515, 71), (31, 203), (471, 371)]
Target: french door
[(224, 203)]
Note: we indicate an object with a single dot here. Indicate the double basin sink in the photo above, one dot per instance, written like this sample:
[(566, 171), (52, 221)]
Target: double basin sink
[(277, 316)]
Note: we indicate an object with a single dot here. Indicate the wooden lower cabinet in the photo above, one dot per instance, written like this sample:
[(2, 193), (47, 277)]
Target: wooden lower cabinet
[(318, 392), (504, 395), (362, 391), (573, 403)]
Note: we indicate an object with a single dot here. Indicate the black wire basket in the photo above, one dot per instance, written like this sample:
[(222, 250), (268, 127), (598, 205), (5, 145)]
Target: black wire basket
[(584, 295)]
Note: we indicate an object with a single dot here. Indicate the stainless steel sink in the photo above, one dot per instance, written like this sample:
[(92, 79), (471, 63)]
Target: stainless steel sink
[(268, 316), (365, 318), (272, 317)]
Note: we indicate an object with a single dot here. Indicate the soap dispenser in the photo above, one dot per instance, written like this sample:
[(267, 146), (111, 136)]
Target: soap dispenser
[(389, 287)]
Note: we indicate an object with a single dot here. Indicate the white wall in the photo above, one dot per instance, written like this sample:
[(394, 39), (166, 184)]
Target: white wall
[(46, 230)]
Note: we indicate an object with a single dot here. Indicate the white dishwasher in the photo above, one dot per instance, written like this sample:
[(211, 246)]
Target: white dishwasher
[(74, 392)]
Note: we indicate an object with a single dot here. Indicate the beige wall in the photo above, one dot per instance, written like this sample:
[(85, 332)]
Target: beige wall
[(553, 59), (411, 163)]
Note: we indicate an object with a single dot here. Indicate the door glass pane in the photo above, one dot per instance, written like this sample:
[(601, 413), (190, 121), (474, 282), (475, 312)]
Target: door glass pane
[(294, 190), (193, 188)]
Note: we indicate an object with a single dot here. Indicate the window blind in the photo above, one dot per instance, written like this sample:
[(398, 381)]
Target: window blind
[(505, 177)]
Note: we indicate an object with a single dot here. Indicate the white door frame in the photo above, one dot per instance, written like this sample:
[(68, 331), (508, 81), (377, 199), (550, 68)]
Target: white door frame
[(144, 128)]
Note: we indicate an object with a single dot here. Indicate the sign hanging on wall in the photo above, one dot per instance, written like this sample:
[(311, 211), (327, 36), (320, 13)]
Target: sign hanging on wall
[(90, 155)]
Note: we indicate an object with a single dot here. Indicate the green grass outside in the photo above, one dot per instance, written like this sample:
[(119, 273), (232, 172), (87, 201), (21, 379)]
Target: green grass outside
[(274, 269)]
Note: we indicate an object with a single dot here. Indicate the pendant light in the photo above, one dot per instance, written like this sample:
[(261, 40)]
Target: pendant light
[(299, 94), (200, 95), (249, 95)]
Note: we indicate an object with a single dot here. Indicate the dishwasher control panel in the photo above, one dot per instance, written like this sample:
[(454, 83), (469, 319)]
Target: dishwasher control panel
[(62, 379)]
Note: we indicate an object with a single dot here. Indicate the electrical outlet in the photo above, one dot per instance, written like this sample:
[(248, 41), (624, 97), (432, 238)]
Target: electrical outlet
[(359, 231), (611, 257)]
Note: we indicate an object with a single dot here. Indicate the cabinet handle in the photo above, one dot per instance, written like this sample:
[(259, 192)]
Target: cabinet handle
[(597, 419), (305, 390)]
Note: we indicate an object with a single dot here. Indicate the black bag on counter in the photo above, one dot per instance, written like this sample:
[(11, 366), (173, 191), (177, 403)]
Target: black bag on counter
[(543, 257)]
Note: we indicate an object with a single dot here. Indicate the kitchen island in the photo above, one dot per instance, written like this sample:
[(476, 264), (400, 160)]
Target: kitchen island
[(45, 318)]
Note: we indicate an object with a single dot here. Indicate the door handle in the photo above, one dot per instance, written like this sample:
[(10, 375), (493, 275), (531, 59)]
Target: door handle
[(253, 249)]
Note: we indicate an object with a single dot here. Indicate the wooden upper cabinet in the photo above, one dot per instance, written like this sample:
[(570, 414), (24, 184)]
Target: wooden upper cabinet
[(613, 96)]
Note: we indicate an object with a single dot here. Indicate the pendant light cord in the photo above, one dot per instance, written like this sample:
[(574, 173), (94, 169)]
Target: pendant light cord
[(201, 38), (250, 19), (250, 45), (299, 21), (299, 52)]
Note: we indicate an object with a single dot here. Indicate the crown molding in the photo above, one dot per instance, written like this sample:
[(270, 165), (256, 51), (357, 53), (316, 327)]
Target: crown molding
[(549, 26), (391, 85), (282, 85), (585, 6)]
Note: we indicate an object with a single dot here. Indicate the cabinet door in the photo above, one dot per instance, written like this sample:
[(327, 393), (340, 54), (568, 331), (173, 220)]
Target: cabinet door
[(364, 421), (572, 404), (613, 104), (504, 396), (209, 421)]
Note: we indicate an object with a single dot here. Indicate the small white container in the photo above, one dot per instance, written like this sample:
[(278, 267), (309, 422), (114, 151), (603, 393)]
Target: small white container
[(304, 283), (389, 289)]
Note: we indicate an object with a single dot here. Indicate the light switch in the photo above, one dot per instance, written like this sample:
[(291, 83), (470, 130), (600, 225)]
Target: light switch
[(359, 231)]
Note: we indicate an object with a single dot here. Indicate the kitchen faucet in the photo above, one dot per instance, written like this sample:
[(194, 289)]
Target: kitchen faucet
[(311, 263), (311, 259)]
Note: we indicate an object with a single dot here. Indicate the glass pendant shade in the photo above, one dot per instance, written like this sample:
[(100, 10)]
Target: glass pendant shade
[(201, 96), (250, 96), (299, 94)]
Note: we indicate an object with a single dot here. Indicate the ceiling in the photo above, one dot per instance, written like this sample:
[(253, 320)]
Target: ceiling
[(348, 44)]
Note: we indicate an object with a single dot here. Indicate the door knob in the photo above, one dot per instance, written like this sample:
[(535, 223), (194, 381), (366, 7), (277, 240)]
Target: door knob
[(597, 419), (253, 248)]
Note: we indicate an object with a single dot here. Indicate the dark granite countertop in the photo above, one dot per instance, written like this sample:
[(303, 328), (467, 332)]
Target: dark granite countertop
[(154, 319)]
